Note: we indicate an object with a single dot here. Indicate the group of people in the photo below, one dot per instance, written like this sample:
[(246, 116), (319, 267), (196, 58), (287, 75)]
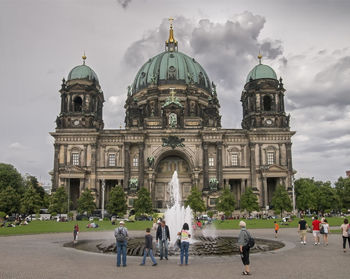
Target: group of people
[(318, 228), (162, 240)]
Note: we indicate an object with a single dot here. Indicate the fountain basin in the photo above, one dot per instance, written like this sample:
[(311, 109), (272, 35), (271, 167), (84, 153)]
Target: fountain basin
[(202, 246)]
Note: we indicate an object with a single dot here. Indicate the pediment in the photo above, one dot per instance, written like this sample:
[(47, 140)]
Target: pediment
[(276, 168)]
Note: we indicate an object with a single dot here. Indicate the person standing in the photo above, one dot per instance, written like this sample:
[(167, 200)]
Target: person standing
[(163, 236), (325, 231), (277, 227), (302, 227), (185, 243), (121, 236), (316, 230), (244, 248), (345, 228), (75, 233), (148, 248)]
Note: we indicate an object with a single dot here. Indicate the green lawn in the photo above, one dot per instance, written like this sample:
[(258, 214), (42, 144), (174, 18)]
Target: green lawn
[(264, 224), (36, 227)]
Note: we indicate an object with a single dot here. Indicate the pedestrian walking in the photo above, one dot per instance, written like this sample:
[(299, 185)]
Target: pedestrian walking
[(302, 228), (277, 227), (75, 233), (121, 236), (244, 248), (185, 243), (324, 230), (163, 239), (345, 228), (316, 230), (148, 248)]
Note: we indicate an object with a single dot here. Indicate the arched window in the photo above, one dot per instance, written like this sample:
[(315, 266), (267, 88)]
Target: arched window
[(78, 104), (267, 103)]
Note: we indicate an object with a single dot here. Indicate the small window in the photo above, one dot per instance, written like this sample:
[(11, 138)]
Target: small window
[(270, 158), (75, 159), (131, 202), (211, 162), (78, 104), (267, 102), (234, 159), (111, 160), (135, 162), (212, 202)]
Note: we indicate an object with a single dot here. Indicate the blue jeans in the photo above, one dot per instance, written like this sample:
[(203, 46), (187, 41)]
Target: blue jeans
[(149, 252), (163, 244), (184, 250), (121, 249)]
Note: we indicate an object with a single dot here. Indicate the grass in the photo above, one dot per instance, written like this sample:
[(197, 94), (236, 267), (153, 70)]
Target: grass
[(265, 224), (37, 227)]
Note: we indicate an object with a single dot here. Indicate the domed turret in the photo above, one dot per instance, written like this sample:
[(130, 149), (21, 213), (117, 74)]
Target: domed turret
[(82, 72), (261, 71)]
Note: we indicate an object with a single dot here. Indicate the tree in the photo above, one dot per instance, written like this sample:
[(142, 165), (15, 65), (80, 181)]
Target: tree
[(30, 180), (31, 201), (305, 193), (342, 187), (9, 176), (249, 201), (86, 202), (9, 200), (143, 203), (280, 200), (59, 201), (195, 201), (226, 202), (117, 202), (327, 198)]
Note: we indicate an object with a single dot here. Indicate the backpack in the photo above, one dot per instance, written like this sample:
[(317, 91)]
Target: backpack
[(251, 241), (121, 235), (322, 230)]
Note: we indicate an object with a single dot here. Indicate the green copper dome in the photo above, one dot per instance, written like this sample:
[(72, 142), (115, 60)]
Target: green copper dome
[(82, 72), (171, 67), (261, 71)]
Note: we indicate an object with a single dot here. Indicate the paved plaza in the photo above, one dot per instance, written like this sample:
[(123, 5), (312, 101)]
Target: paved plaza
[(43, 256)]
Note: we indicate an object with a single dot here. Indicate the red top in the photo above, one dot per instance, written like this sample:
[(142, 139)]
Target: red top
[(316, 225)]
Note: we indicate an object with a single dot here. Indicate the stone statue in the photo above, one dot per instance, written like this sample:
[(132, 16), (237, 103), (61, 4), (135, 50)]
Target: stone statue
[(172, 120), (129, 90)]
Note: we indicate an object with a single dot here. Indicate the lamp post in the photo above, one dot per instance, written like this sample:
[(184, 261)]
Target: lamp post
[(293, 195), (103, 198), (68, 186)]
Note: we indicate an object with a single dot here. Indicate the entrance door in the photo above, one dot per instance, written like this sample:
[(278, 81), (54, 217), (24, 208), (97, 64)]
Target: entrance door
[(74, 192), (271, 187)]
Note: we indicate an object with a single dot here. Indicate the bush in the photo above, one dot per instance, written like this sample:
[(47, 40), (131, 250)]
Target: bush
[(85, 219), (106, 219), (53, 214), (2, 215), (210, 214)]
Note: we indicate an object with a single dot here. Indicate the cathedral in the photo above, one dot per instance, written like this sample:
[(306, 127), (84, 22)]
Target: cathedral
[(172, 122)]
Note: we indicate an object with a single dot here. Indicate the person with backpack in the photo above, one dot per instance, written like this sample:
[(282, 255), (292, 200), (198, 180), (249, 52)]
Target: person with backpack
[(121, 236), (245, 242)]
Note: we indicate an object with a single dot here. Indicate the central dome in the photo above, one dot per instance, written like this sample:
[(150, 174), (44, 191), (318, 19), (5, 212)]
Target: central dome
[(171, 67)]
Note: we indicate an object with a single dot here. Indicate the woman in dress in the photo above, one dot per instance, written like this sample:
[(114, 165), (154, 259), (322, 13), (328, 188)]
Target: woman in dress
[(345, 232), (185, 243)]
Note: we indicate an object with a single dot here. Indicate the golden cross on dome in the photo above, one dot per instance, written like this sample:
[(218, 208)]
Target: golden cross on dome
[(259, 57), (171, 21), (84, 58)]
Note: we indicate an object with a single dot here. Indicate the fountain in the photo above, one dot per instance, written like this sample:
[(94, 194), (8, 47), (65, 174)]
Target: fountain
[(177, 214), (204, 242)]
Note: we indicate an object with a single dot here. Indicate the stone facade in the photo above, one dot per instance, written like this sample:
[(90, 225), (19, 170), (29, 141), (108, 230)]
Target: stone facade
[(172, 125)]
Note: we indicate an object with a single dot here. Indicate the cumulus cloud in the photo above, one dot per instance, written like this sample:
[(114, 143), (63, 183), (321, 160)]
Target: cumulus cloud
[(16, 146)]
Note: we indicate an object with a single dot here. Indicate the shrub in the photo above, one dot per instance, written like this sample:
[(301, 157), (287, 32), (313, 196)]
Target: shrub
[(2, 215)]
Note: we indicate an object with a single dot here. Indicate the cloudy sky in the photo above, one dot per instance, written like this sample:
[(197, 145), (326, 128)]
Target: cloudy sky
[(306, 42)]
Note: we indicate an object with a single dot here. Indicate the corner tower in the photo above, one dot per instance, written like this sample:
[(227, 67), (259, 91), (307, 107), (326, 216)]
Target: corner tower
[(81, 100), (263, 99)]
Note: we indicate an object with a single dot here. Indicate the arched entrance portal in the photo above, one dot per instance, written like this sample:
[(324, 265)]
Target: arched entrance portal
[(164, 173)]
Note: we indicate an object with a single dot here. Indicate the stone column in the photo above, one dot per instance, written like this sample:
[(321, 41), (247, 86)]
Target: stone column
[(264, 191), (289, 156), (242, 163), (55, 167), (252, 164), (280, 154), (141, 164), (126, 165), (219, 163), (93, 167), (85, 156), (65, 154), (205, 166), (242, 186)]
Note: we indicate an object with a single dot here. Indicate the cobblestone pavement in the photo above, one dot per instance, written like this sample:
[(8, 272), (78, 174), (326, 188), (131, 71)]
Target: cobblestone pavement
[(43, 256)]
